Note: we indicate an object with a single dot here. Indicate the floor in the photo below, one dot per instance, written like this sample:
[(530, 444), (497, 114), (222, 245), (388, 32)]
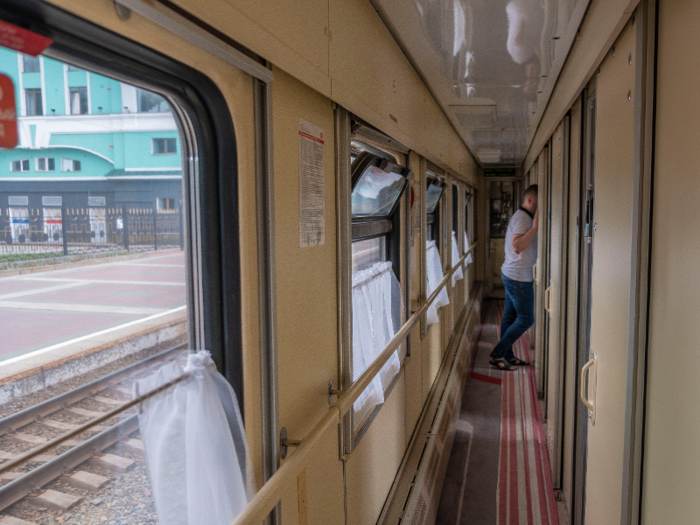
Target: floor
[(499, 469)]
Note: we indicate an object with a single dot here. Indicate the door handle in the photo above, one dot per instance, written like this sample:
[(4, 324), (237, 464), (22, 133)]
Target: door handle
[(534, 271), (585, 378), (584, 373), (547, 297)]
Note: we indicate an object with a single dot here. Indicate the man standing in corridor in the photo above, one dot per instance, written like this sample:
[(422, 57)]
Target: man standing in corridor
[(521, 255)]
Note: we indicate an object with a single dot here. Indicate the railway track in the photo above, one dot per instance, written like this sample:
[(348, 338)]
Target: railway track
[(64, 413)]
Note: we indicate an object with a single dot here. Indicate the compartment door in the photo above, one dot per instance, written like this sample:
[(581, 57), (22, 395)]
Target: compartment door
[(610, 292)]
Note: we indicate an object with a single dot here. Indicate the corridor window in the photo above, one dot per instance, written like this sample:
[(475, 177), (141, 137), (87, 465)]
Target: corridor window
[(377, 301), (433, 193)]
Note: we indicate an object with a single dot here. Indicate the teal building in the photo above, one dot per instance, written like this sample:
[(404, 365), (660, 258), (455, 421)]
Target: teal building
[(85, 140)]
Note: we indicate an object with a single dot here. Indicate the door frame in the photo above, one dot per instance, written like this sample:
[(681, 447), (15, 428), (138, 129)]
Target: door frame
[(644, 129), (584, 288)]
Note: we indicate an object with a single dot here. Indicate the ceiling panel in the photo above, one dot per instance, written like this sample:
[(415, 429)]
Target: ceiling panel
[(491, 64)]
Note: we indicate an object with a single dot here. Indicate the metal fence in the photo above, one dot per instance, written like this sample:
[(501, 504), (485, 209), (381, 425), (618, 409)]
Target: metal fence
[(39, 233)]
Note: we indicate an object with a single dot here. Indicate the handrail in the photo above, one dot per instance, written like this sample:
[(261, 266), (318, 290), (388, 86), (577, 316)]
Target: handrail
[(271, 492)]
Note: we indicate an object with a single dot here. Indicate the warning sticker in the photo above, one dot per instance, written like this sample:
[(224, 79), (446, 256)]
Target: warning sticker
[(8, 113), (312, 204), (22, 40)]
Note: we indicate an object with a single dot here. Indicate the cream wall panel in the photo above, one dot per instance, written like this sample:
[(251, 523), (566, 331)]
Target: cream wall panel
[(610, 280), (413, 378), (383, 88), (671, 468), (432, 355), (237, 88), (371, 468), (301, 25), (291, 35), (306, 300)]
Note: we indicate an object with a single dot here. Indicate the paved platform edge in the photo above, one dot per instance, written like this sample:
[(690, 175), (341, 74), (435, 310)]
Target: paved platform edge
[(34, 373), (13, 272)]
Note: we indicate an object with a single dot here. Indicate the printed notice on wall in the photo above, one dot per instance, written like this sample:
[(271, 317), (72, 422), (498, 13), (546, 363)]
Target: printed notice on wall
[(312, 204)]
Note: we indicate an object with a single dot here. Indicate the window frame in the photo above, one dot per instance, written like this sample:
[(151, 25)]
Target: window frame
[(433, 221), (369, 227), (80, 90), (214, 304), (165, 143), (36, 95), (46, 159), (392, 227), (21, 161), (73, 162), (32, 60)]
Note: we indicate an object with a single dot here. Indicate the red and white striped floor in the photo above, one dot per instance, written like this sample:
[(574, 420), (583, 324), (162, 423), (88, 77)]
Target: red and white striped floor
[(499, 471)]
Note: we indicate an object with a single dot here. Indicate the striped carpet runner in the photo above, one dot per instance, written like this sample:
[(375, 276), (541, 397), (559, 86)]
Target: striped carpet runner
[(499, 471)]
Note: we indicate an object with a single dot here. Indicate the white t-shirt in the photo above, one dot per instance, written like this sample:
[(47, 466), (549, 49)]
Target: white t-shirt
[(518, 266)]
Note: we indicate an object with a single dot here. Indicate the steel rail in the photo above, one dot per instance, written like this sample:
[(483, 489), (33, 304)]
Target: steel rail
[(49, 471), (27, 456), (271, 492), (56, 403)]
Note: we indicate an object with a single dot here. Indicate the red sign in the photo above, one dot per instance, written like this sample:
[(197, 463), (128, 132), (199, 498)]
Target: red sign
[(22, 40), (8, 113)]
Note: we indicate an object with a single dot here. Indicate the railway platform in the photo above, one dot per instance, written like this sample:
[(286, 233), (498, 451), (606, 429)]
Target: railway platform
[(60, 323)]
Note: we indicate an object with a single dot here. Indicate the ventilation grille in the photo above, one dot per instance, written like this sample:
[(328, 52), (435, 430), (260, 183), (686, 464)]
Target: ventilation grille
[(421, 511)]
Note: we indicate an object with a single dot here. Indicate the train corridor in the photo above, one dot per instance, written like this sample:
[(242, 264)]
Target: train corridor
[(499, 469)]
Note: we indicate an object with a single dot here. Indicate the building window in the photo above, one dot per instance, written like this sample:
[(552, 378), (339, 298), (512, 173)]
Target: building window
[(31, 64), (45, 164), (78, 101), (34, 105), (150, 102), (166, 204), (163, 146), (70, 165), (19, 165)]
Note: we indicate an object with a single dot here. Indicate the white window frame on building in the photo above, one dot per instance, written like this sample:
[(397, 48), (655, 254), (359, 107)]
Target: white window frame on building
[(147, 102), (70, 165), (35, 109), (165, 203), (22, 164), (45, 164), (165, 146), (32, 61), (78, 97)]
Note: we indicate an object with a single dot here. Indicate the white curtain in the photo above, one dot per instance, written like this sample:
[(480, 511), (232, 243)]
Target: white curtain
[(466, 247), (435, 276), (195, 445), (458, 274), (377, 313)]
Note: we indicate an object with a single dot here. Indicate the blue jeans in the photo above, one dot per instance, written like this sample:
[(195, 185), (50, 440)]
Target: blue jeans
[(518, 316)]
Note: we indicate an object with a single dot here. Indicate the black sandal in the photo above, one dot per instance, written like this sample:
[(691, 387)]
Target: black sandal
[(500, 364), (518, 362)]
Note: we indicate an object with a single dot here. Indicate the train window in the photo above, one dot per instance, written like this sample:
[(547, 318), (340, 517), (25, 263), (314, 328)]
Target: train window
[(111, 288), (501, 207), (434, 190), (377, 301)]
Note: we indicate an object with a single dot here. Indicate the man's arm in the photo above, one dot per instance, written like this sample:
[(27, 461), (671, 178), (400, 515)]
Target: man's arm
[(523, 240)]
